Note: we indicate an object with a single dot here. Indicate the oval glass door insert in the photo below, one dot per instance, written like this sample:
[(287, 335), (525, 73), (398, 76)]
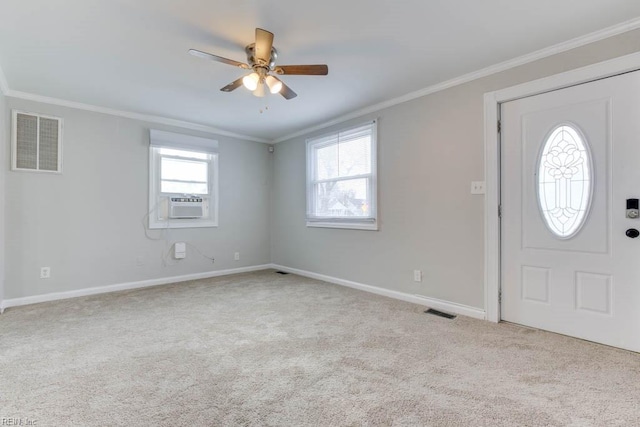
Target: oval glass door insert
[(564, 181)]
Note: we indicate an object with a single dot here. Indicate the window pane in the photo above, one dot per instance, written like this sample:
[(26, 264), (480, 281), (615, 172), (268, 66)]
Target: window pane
[(348, 198), (327, 162), (184, 153), (344, 159), (341, 178), (184, 170), (354, 157), (564, 181), (183, 187)]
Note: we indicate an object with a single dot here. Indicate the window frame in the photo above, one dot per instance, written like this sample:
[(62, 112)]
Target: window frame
[(159, 201), (354, 223)]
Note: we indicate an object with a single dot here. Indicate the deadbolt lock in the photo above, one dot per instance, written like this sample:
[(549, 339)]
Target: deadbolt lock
[(632, 209)]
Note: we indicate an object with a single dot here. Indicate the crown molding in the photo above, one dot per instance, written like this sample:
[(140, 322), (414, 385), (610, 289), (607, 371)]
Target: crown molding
[(623, 27), (130, 115), (4, 86)]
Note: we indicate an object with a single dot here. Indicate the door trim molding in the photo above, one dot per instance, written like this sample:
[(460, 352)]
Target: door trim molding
[(492, 101)]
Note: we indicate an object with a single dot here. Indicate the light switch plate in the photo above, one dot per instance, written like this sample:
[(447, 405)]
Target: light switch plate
[(180, 250)]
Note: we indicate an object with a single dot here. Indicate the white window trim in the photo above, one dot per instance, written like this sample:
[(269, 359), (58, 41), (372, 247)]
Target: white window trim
[(338, 222), (14, 142), (160, 139)]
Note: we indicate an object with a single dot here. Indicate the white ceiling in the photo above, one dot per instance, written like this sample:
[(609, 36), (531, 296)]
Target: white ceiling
[(132, 54)]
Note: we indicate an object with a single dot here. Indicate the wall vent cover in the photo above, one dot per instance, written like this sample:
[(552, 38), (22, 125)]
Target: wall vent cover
[(36, 143)]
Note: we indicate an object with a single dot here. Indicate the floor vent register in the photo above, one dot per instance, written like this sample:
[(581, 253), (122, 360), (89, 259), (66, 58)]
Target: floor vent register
[(440, 314)]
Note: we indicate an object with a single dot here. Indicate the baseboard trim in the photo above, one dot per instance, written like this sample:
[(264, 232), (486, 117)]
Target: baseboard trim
[(447, 306), (16, 302), (438, 304)]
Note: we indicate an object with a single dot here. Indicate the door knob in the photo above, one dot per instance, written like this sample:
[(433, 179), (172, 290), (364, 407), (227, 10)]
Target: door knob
[(632, 233)]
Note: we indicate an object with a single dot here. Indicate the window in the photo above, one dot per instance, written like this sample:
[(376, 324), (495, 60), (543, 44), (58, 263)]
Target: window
[(564, 181), (184, 172), (341, 179), (36, 143), (182, 181)]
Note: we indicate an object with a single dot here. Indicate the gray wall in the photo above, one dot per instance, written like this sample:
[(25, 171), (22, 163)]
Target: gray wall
[(430, 149), (87, 223)]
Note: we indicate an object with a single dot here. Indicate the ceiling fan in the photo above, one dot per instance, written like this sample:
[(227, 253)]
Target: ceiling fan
[(261, 58)]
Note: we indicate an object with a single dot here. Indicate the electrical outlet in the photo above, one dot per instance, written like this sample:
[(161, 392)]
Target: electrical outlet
[(417, 275), (45, 272), (236, 256), (477, 187)]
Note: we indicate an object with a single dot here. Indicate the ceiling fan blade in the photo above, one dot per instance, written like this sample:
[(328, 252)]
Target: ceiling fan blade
[(304, 70), (287, 92), (217, 58), (233, 85), (264, 43)]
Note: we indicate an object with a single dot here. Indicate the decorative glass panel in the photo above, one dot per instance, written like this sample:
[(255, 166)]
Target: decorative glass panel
[(564, 181)]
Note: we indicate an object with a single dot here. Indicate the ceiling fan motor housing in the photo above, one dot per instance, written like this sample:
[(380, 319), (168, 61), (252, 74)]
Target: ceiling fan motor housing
[(253, 63)]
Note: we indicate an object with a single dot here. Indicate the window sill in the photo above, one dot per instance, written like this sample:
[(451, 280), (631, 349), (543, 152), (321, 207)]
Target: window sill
[(156, 225), (371, 226)]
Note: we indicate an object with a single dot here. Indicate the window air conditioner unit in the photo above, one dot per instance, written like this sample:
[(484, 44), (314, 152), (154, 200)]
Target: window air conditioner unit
[(185, 207)]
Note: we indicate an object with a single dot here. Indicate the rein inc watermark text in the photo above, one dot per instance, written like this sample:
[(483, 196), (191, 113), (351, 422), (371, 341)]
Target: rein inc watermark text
[(18, 422)]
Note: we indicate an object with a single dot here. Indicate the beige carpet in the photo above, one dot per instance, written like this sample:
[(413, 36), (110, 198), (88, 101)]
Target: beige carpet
[(265, 349)]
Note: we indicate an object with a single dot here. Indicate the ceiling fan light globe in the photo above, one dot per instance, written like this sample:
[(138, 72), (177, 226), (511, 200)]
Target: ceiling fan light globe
[(275, 85), (259, 91), (251, 81)]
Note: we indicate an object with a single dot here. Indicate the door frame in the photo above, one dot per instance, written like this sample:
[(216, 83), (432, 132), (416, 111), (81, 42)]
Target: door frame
[(492, 167)]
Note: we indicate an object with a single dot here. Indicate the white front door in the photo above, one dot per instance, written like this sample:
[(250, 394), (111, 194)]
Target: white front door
[(570, 160)]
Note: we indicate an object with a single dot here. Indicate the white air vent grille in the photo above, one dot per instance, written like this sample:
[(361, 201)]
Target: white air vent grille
[(36, 143), (27, 141), (48, 144)]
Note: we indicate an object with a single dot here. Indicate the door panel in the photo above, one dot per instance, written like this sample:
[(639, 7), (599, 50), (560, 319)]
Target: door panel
[(592, 118), (585, 285)]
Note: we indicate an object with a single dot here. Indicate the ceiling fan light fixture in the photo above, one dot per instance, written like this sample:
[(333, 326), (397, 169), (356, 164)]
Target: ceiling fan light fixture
[(261, 61), (251, 81), (275, 85), (259, 91)]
